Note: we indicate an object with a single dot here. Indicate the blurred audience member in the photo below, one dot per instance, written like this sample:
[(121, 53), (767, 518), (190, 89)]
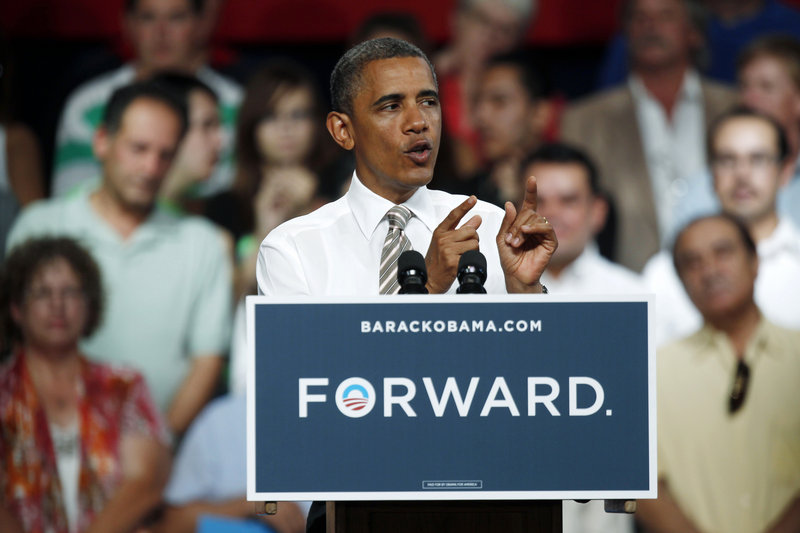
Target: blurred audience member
[(732, 24), (168, 278), (510, 116), (480, 29), (164, 35), (21, 179), (201, 147), (284, 160), (210, 474), (749, 160), (395, 24), (82, 447), (728, 422), (569, 197), (769, 81), (647, 135)]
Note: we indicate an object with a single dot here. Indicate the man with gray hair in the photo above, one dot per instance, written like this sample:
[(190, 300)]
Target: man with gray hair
[(386, 111), (647, 135)]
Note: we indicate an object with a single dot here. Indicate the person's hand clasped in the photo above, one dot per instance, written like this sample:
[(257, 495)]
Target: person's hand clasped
[(525, 242), (448, 244)]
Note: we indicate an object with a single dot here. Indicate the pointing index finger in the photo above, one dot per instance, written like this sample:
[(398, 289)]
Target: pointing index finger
[(530, 201), (454, 217)]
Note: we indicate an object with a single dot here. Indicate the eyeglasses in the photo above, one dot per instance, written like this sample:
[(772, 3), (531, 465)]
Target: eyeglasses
[(758, 161), (739, 389), (46, 294)]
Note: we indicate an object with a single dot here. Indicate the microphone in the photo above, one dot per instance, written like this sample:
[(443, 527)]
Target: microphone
[(471, 273), (412, 273)]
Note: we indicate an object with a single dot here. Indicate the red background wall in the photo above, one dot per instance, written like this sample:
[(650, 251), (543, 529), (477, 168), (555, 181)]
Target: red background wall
[(308, 21)]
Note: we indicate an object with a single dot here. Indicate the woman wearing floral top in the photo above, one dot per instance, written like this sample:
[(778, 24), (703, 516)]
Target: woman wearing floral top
[(82, 447)]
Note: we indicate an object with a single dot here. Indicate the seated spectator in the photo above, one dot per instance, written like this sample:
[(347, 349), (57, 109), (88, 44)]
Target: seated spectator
[(510, 116), (201, 147), (749, 160), (481, 29), (21, 180), (647, 136), (728, 422), (731, 26), (569, 197), (82, 447), (395, 24), (164, 35), (210, 475), (283, 157), (168, 277), (769, 82)]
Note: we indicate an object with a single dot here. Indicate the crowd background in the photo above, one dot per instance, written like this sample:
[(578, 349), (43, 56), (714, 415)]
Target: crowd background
[(510, 87)]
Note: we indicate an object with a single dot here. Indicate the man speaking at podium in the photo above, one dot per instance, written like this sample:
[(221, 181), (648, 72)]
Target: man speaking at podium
[(386, 110)]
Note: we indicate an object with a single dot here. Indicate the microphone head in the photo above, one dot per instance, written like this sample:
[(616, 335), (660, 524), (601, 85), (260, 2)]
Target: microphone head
[(412, 274), (411, 260), (472, 262)]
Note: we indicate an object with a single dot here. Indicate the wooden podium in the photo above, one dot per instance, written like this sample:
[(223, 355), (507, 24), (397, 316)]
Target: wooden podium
[(510, 516)]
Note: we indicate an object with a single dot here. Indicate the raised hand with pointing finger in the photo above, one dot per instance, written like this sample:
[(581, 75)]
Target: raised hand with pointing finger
[(525, 242)]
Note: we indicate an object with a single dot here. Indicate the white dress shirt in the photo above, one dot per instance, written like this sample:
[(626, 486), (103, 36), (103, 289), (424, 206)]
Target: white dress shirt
[(591, 273), (336, 249), (673, 146), (777, 289)]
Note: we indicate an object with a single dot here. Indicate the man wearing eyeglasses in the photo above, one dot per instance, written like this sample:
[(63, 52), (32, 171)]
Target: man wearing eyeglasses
[(748, 154), (728, 417)]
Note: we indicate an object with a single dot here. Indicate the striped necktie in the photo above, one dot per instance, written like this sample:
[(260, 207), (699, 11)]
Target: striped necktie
[(395, 244)]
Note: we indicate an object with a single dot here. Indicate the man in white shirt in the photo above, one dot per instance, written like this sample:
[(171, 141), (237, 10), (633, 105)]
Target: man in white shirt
[(647, 135), (569, 197), (386, 110), (749, 161)]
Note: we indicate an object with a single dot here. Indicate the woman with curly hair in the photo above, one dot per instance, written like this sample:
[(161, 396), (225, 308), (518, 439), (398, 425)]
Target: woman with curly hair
[(82, 446)]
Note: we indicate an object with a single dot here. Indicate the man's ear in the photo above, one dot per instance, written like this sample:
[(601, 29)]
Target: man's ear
[(341, 129), (599, 214), (100, 143), (787, 172)]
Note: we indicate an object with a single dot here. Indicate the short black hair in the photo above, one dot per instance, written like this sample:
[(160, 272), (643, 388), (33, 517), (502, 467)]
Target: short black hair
[(123, 97), (558, 152), (741, 228), (528, 78), (197, 5), (24, 263), (740, 111), (346, 75), (183, 84)]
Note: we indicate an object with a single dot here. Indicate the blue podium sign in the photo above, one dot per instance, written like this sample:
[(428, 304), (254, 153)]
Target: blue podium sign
[(450, 397)]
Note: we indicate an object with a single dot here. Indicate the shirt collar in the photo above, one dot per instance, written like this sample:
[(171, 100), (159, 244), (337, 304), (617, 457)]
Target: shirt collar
[(691, 88), (369, 209), (714, 342), (785, 237), (154, 226)]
